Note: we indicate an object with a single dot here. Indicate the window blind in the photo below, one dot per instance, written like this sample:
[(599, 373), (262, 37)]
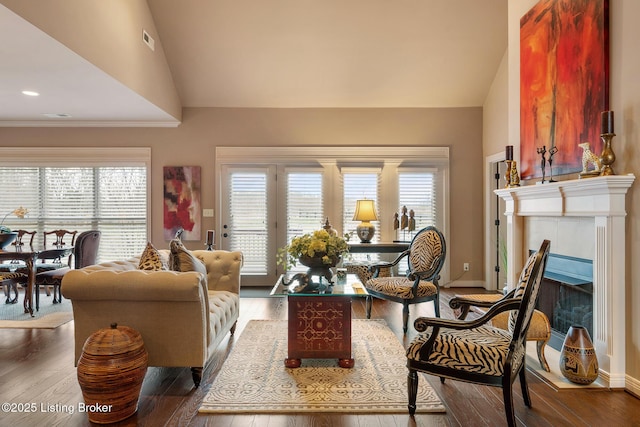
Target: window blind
[(110, 199), (417, 191), (304, 205), (247, 226)]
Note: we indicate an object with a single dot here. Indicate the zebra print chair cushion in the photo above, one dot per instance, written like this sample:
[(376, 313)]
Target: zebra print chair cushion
[(482, 350), (401, 287)]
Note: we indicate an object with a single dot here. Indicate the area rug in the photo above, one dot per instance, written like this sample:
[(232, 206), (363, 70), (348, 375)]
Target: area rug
[(254, 379), (50, 315)]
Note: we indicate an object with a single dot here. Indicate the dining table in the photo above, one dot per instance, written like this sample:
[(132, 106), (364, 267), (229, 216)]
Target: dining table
[(30, 256)]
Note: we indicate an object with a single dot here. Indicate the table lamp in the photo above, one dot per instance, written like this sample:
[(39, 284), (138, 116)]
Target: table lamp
[(365, 212)]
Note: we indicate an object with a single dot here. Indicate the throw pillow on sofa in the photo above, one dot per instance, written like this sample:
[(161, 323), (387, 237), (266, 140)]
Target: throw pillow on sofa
[(181, 259), (151, 260)]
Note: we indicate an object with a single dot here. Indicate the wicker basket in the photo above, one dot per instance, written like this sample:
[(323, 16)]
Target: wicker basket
[(110, 372)]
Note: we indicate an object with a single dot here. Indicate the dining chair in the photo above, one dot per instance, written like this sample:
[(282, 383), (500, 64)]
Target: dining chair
[(19, 239), (476, 352), (85, 252), (18, 243), (60, 236), (9, 281), (426, 255)]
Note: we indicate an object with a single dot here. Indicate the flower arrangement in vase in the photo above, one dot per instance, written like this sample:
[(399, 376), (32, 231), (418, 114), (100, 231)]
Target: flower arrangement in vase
[(319, 248)]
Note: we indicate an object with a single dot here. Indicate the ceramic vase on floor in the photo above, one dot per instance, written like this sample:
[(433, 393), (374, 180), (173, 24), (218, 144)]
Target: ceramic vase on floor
[(578, 361)]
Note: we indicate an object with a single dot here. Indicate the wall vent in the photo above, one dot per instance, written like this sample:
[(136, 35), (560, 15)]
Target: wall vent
[(148, 40)]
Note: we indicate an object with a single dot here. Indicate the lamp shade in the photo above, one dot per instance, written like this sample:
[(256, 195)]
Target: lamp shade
[(365, 211)]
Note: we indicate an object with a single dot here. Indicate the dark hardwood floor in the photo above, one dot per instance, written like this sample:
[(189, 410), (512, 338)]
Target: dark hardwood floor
[(36, 366)]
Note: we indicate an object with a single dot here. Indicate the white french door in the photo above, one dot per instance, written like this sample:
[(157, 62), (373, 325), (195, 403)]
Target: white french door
[(264, 213)]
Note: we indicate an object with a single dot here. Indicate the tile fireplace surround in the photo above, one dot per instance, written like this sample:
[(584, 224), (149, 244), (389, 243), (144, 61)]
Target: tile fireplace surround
[(601, 199)]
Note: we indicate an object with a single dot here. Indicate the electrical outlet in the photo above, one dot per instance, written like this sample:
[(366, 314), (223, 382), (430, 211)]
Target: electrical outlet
[(465, 267)]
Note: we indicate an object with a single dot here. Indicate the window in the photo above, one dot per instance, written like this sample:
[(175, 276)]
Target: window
[(301, 186), (417, 191), (112, 199), (358, 184), (247, 224)]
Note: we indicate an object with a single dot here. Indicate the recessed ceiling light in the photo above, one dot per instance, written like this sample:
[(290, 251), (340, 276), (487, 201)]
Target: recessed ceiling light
[(30, 93), (57, 115)]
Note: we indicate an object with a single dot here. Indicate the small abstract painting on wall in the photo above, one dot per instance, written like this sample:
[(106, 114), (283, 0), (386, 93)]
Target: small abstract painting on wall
[(564, 81), (182, 202)]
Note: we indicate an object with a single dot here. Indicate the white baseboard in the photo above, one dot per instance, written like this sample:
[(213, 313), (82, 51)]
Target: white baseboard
[(465, 284), (632, 385)]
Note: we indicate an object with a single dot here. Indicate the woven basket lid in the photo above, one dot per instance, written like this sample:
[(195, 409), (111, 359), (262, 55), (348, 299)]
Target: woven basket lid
[(113, 340)]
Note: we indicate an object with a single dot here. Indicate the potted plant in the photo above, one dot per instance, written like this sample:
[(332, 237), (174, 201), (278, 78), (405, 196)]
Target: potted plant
[(319, 249), (6, 235)]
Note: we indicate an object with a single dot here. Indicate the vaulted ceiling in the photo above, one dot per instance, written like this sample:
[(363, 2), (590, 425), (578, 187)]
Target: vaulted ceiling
[(277, 53)]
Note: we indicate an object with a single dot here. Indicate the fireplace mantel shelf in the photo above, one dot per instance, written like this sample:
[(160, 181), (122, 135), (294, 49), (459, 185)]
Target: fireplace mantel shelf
[(599, 196), (603, 199)]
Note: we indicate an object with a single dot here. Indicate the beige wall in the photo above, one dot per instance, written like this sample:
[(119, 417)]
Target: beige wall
[(193, 144), (625, 101)]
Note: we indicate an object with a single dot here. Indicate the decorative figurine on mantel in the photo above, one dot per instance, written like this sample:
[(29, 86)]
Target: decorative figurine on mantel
[(543, 161), (552, 151), (589, 158)]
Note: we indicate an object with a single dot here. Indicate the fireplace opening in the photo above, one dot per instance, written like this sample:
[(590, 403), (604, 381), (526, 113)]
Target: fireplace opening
[(566, 295)]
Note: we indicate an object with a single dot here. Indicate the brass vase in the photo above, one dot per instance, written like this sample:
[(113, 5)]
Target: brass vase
[(578, 361)]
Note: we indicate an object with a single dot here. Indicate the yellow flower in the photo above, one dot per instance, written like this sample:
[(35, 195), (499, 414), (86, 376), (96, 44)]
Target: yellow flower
[(18, 212)]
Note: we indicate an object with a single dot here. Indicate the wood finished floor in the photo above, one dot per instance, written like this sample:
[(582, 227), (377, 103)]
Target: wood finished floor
[(36, 366)]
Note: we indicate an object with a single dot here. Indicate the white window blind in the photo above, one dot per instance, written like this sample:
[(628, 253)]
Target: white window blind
[(110, 199), (304, 204), (248, 214), (417, 191)]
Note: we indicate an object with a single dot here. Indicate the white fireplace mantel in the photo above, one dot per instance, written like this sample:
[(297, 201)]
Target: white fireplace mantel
[(601, 198)]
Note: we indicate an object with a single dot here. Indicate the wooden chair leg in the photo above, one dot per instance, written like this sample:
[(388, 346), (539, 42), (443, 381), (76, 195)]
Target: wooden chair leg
[(405, 317), (508, 404), (412, 389), (525, 388), (543, 360), (369, 302)]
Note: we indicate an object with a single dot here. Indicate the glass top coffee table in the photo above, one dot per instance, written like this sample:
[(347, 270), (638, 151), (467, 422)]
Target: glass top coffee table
[(319, 323)]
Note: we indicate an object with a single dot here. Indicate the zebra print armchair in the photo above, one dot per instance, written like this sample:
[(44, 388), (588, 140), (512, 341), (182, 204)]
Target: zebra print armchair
[(473, 351), (426, 256)]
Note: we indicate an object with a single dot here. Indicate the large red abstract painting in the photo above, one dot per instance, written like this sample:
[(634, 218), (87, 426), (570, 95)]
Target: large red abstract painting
[(564, 82), (182, 202)]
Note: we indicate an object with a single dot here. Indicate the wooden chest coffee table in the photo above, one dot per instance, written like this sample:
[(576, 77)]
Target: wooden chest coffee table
[(319, 324)]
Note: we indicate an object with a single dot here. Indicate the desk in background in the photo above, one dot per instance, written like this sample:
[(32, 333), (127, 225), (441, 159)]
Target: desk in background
[(378, 248)]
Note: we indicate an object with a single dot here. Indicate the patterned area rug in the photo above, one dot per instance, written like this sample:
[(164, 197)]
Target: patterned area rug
[(50, 315), (254, 379)]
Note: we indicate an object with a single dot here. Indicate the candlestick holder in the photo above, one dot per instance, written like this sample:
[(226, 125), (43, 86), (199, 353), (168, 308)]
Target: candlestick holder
[(608, 157)]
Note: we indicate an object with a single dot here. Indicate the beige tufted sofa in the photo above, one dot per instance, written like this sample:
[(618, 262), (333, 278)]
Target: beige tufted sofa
[(182, 317)]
